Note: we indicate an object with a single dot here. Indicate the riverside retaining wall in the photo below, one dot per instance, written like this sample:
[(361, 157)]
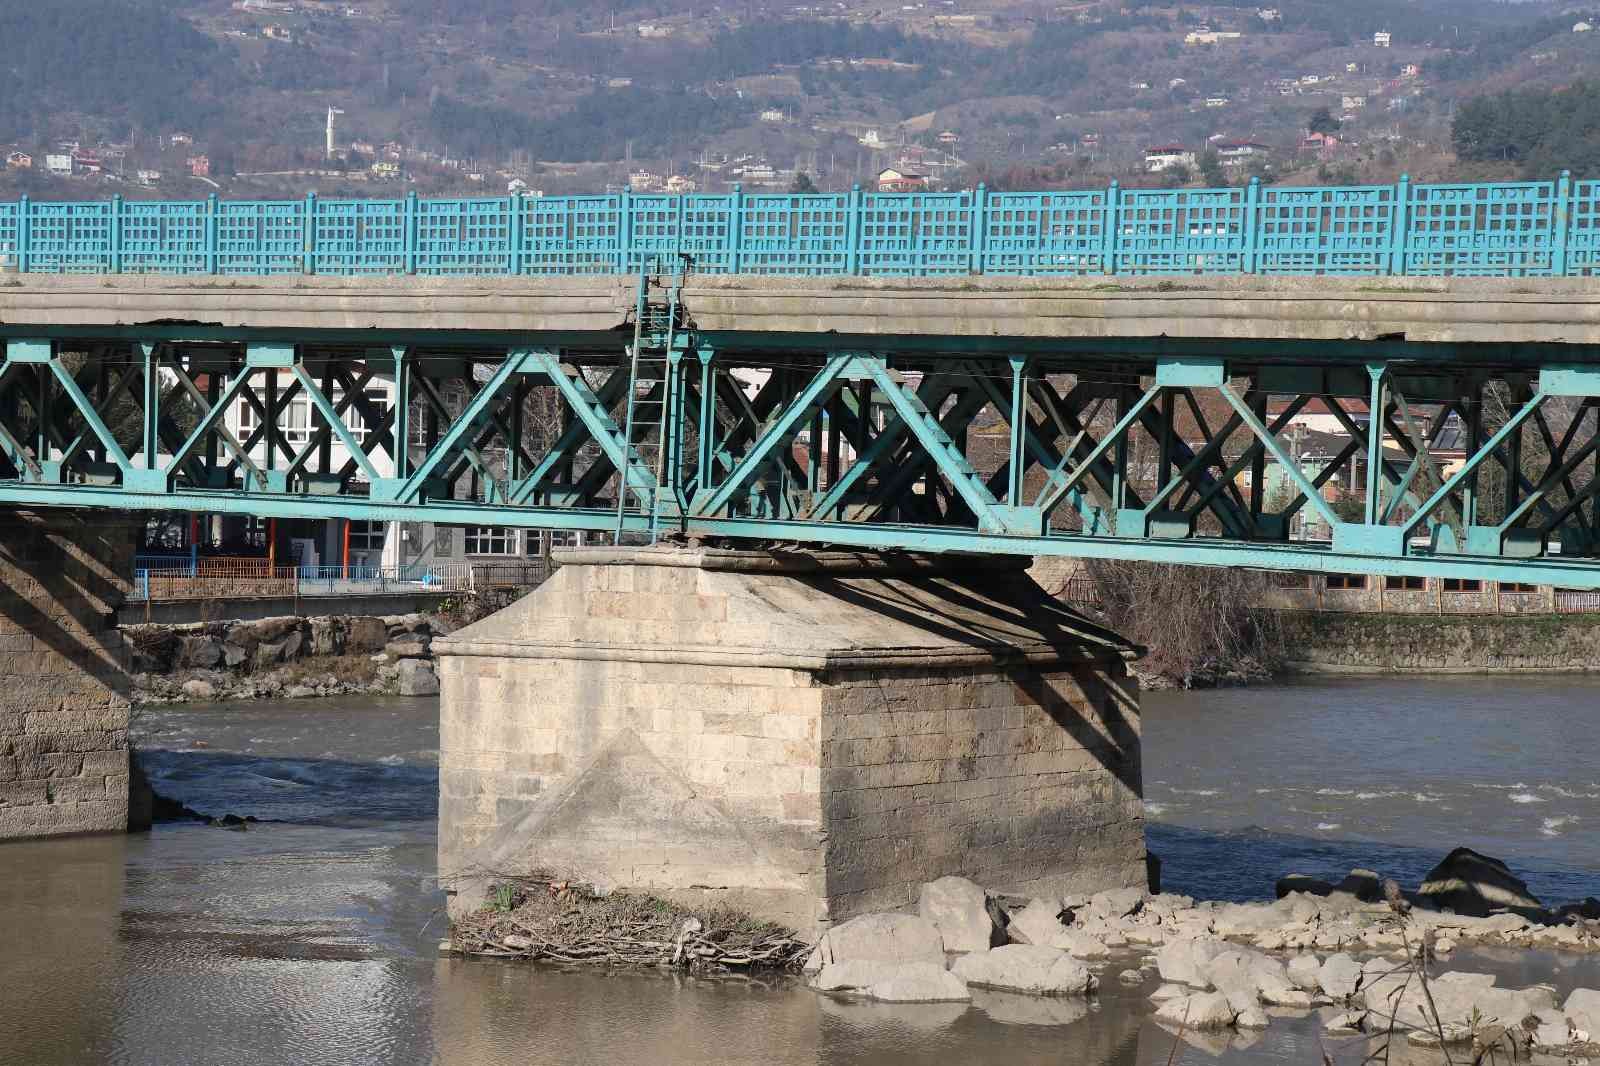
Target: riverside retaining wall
[(1336, 642)]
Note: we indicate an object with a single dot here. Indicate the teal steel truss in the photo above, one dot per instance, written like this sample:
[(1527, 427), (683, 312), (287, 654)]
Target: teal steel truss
[(1458, 462), (1503, 229)]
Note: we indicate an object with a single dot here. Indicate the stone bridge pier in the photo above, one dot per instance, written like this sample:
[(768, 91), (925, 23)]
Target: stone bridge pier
[(806, 736), (63, 677)]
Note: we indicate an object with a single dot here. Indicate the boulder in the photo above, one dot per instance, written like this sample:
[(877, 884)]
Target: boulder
[(1200, 1011), (1037, 923), (200, 652), (417, 678), (1313, 886), (1249, 978), (268, 655), (327, 636), (1551, 1032), (959, 909), (1245, 919), (196, 689), (233, 656), (894, 982), (1038, 971), (879, 938), (1582, 1010), (1339, 976), (366, 634), (409, 648), (1472, 884), (1184, 961), (1461, 999), (1111, 905), (1303, 971), (1364, 885), (1166, 992), (299, 692)]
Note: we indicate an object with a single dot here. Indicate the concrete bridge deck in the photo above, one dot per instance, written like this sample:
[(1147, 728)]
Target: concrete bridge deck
[(1042, 315)]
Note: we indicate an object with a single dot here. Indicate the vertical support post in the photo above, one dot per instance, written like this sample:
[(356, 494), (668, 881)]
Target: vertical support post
[(413, 234), (1119, 475), (1252, 209), (308, 264), (402, 411), (704, 461), (1560, 220), (853, 231), (151, 405), (116, 234), (1378, 398), (1469, 489), (213, 393), (1258, 465), (516, 229), (519, 400), (1514, 463), (1019, 427), (1399, 225), (980, 225), (1112, 237), (24, 234), (212, 230), (1164, 453), (624, 231), (313, 413), (269, 399), (736, 228), (45, 407)]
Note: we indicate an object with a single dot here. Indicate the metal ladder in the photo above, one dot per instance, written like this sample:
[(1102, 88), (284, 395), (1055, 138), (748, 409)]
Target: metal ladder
[(655, 324)]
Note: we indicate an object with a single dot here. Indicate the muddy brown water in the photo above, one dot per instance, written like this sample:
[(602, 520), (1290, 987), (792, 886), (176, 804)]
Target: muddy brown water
[(311, 938)]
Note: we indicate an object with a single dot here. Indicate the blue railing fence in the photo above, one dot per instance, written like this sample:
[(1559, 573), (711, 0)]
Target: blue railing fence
[(1503, 229)]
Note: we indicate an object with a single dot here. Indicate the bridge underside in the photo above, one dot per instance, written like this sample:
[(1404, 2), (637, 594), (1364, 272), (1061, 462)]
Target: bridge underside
[(1169, 447)]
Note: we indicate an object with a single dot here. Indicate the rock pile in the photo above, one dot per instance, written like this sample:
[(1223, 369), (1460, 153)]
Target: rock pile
[(269, 658), (1353, 951)]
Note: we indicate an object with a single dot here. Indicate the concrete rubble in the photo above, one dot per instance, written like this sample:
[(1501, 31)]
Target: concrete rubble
[(1232, 966)]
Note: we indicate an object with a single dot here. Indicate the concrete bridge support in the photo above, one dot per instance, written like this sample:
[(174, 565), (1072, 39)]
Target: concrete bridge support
[(63, 676), (806, 737)]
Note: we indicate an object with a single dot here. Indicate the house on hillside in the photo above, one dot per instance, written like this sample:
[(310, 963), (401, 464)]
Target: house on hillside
[(1381, 39), (1166, 156), (892, 180), (19, 161), (1238, 153), (200, 166)]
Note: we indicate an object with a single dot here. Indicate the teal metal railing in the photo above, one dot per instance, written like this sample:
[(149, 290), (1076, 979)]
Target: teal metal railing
[(1505, 229)]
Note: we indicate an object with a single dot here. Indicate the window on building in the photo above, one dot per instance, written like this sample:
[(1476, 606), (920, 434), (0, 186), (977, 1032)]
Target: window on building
[(1347, 581), (1405, 584), (366, 536), (1517, 586), (255, 532), (1462, 584), (247, 416), (491, 540), (295, 420)]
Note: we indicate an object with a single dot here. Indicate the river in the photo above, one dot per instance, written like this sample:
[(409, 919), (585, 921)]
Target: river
[(312, 937)]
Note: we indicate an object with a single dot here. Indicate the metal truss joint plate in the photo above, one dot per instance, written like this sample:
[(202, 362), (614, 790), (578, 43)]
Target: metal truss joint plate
[(1358, 538), (152, 481), (1019, 521), (1190, 372), (1570, 380)]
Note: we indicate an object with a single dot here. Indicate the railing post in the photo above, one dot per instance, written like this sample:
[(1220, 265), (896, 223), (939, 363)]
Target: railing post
[(1399, 223), (308, 264), (212, 239), (24, 233), (624, 230), (1112, 236), (735, 228), (116, 234), (514, 231), (411, 232), (1252, 230), (976, 241), (853, 231), (1560, 220)]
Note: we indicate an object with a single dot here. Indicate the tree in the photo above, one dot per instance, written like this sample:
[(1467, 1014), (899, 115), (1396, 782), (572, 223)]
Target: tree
[(1211, 171), (1322, 121), (802, 184)]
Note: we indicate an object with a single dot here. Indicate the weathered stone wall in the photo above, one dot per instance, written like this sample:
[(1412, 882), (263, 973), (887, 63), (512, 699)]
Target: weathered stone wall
[(63, 676), (806, 749), (1025, 781), (1337, 642)]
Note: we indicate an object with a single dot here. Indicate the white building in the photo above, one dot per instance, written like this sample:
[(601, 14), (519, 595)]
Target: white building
[(1167, 156), (59, 165), (1381, 39), (1207, 36)]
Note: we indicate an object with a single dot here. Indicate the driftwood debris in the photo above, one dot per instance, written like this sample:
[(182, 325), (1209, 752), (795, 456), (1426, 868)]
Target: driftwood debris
[(564, 922)]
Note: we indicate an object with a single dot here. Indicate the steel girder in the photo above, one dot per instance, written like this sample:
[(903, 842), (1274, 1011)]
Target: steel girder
[(1180, 458)]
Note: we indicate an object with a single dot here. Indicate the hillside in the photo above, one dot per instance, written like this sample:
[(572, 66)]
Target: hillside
[(570, 94)]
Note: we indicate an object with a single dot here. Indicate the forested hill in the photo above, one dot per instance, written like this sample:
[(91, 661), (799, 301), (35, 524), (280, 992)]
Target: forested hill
[(1015, 82)]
